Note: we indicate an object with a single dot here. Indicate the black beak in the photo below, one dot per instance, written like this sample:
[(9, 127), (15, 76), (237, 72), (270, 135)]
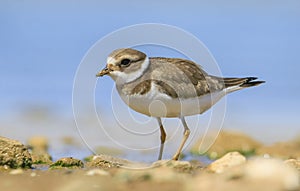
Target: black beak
[(103, 72)]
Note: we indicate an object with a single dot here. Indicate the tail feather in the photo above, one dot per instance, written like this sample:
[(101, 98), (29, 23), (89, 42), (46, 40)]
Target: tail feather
[(234, 84), (250, 84), (241, 82)]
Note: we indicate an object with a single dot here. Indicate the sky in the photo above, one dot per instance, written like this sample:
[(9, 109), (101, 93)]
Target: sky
[(42, 43)]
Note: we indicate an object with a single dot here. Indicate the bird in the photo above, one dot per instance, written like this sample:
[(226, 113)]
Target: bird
[(161, 87)]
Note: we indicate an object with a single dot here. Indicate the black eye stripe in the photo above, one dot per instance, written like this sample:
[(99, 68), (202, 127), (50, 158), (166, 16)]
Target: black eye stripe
[(125, 62)]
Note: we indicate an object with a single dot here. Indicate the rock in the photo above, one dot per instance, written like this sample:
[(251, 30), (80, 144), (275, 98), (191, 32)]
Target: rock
[(294, 163), (16, 171), (283, 150), (255, 174), (68, 162), (227, 161), (94, 172), (4, 168), (41, 158), (228, 142), (272, 171), (14, 154), (179, 166), (33, 174), (106, 162)]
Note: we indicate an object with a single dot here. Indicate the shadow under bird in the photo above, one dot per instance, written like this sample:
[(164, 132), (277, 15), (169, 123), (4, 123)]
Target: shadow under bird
[(167, 87)]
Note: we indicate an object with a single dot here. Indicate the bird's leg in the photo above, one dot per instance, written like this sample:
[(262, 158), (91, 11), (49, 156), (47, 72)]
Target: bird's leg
[(162, 138), (186, 134)]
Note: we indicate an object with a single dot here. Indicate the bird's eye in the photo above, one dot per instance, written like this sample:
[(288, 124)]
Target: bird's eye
[(125, 62)]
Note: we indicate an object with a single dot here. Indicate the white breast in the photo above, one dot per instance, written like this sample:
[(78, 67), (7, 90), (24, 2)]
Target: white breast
[(156, 104)]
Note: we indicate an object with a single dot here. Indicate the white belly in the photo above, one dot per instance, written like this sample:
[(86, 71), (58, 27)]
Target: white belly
[(156, 104)]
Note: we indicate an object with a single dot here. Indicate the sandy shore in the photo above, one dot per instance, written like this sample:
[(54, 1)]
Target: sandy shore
[(242, 164)]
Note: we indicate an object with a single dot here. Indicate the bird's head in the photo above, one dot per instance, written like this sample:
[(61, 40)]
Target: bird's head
[(125, 64)]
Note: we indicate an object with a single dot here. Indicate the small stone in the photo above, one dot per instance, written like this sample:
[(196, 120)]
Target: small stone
[(94, 172), (273, 172), (294, 163), (67, 162), (227, 161), (16, 171), (41, 157), (33, 174), (107, 162), (14, 154)]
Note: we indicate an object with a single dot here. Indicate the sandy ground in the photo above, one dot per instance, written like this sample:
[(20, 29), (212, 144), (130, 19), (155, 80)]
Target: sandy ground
[(253, 167)]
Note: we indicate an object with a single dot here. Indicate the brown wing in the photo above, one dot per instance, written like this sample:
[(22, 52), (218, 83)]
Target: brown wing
[(204, 83), (185, 76)]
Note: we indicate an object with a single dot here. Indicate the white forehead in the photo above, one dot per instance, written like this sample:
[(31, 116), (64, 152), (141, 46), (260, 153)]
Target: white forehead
[(110, 60)]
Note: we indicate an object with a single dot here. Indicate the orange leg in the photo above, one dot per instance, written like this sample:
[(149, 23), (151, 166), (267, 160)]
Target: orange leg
[(186, 134)]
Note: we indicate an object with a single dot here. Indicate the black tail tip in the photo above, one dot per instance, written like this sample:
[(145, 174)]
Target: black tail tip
[(251, 82)]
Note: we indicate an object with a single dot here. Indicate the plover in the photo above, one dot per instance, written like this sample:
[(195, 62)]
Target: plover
[(167, 87)]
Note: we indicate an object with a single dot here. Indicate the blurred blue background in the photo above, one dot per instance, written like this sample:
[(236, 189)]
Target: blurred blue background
[(43, 42)]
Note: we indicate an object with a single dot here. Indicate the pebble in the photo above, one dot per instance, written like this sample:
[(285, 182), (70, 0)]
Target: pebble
[(16, 171), (67, 162), (94, 172), (293, 163), (272, 171), (33, 174), (227, 161), (107, 162)]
